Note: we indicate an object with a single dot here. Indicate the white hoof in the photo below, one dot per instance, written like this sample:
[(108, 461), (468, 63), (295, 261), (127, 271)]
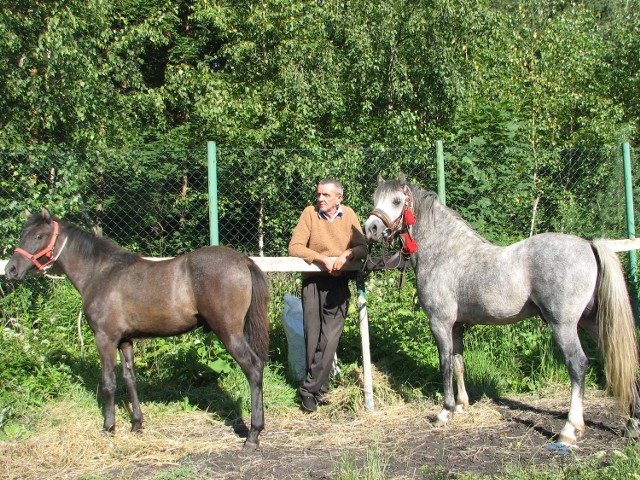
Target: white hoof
[(568, 435), (442, 418)]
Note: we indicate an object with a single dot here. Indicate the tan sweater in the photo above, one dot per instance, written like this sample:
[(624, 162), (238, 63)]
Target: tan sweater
[(315, 237)]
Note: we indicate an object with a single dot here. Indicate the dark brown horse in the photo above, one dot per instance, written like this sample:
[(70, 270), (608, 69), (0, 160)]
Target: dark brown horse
[(125, 296)]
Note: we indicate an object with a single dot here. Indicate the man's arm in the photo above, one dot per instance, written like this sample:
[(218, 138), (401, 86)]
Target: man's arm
[(300, 240)]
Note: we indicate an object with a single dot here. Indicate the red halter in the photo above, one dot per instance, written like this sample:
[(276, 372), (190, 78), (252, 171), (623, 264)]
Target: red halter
[(46, 252)]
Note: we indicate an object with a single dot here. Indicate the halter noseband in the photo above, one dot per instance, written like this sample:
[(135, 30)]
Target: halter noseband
[(46, 252), (401, 225)]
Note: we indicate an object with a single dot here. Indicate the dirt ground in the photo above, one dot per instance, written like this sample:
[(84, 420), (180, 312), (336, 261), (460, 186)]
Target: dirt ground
[(493, 436), (503, 434)]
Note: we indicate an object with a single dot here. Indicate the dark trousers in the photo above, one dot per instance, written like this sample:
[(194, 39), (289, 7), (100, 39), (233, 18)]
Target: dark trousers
[(324, 302)]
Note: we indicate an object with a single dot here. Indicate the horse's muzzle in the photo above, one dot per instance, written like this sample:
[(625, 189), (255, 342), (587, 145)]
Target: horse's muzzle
[(11, 271), (376, 231)]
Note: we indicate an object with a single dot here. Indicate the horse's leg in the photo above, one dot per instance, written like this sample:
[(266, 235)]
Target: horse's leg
[(462, 400), (566, 336), (441, 332), (252, 366), (129, 377), (107, 352), (632, 427)]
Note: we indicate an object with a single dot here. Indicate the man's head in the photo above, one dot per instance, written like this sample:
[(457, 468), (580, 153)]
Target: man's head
[(329, 196)]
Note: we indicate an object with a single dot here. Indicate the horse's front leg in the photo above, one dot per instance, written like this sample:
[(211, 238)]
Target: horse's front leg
[(107, 352), (442, 335), (129, 377), (462, 399)]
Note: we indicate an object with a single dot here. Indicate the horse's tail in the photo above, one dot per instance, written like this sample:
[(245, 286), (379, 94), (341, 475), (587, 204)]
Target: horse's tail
[(256, 325), (616, 327)]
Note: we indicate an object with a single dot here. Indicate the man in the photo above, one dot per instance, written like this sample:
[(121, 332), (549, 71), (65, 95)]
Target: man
[(329, 235)]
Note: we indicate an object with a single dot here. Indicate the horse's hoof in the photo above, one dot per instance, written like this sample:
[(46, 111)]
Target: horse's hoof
[(250, 446), (439, 423), (568, 440), (632, 429), (136, 427), (460, 409), (442, 419)]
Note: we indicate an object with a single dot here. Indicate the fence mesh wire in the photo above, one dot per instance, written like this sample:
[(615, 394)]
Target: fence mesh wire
[(156, 202)]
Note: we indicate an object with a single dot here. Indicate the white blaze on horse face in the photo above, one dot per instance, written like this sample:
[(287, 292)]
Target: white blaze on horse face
[(391, 207)]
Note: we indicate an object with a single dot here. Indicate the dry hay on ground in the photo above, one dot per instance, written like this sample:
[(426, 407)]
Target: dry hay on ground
[(490, 437)]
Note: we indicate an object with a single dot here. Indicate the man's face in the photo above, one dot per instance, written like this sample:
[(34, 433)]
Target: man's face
[(328, 199)]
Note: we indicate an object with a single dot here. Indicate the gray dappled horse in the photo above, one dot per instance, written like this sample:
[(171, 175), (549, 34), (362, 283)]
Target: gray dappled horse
[(464, 279), (125, 296)]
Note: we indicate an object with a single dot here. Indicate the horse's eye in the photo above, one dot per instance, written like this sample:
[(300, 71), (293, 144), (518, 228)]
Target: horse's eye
[(397, 202), (38, 236)]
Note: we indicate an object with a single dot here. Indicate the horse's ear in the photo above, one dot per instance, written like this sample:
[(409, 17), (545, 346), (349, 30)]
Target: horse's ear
[(27, 213), (380, 179), (45, 214), (402, 179)]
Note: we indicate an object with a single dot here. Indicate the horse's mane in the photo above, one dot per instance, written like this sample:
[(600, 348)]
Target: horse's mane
[(424, 202), (89, 245), (95, 246)]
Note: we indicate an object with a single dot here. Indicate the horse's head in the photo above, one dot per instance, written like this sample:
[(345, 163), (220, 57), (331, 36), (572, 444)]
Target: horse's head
[(36, 251), (391, 202)]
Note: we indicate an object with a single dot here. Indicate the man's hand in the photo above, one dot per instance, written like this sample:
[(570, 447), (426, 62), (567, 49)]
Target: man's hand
[(335, 265), (340, 262)]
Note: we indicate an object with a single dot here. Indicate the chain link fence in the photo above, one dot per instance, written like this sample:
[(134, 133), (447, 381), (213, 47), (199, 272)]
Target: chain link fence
[(152, 202), (156, 202)]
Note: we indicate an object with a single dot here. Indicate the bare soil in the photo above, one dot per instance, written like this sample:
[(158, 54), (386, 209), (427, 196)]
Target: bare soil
[(492, 437), (504, 434)]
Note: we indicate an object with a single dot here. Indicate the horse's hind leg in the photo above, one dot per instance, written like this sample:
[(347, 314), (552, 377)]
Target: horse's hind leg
[(253, 367), (632, 427), (462, 399), (129, 377), (566, 336)]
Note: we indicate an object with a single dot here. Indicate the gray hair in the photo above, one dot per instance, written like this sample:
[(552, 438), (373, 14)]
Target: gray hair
[(335, 183)]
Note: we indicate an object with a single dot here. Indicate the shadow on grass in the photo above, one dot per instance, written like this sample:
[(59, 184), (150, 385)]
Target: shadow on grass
[(181, 382)]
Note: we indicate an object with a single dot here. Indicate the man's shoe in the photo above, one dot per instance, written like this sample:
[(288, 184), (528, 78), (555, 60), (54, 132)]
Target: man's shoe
[(309, 404)]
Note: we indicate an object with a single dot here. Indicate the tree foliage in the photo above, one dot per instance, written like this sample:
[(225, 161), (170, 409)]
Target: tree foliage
[(278, 73)]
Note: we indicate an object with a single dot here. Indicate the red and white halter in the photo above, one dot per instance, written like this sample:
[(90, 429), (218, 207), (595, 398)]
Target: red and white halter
[(47, 252), (401, 226)]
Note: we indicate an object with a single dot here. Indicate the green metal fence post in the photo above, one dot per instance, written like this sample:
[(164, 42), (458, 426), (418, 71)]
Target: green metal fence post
[(440, 162), (631, 226), (212, 162)]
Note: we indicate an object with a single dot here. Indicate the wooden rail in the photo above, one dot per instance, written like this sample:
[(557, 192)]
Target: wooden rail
[(294, 264)]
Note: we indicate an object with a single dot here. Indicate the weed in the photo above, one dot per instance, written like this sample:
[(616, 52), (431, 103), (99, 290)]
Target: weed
[(374, 467)]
